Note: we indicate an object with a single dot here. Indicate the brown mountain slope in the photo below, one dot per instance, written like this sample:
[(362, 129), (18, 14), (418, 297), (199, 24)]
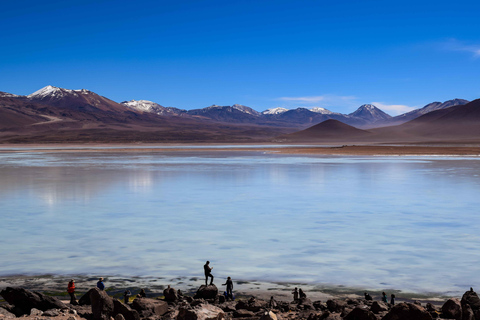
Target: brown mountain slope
[(329, 130), (458, 123)]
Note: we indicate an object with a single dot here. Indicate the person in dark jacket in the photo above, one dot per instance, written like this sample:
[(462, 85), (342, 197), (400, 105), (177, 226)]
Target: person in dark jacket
[(295, 294), (100, 284), (302, 294), (71, 292), (208, 272), (392, 299), (126, 296), (229, 284)]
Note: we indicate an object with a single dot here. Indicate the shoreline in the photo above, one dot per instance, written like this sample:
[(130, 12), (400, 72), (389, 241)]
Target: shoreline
[(327, 150), (56, 285)]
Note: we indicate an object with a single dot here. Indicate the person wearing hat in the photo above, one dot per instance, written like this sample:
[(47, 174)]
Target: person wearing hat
[(100, 284), (71, 292)]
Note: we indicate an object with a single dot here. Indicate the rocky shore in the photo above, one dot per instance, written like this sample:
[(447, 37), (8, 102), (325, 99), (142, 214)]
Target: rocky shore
[(208, 303)]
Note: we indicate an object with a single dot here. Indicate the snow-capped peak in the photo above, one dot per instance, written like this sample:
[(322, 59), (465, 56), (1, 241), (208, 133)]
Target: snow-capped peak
[(52, 92), (275, 111), (142, 105), (8, 95), (245, 109), (321, 110), (370, 112)]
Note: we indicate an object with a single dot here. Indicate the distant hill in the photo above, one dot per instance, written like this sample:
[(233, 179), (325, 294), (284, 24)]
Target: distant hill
[(329, 130), (456, 123), (370, 114), (54, 114), (419, 112)]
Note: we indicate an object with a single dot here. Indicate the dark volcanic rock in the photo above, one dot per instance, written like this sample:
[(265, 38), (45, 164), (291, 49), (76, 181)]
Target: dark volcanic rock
[(149, 307), (467, 312), (452, 309), (242, 313), (407, 311), (305, 304), (336, 305), (251, 305), (170, 294), (26, 300), (471, 298), (206, 292), (127, 312), (378, 307), (102, 304), (85, 299), (360, 314)]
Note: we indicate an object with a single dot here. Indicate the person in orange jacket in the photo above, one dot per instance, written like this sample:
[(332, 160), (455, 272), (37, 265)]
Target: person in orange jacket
[(71, 292)]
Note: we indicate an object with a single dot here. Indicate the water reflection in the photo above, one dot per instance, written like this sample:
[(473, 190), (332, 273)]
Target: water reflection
[(368, 221)]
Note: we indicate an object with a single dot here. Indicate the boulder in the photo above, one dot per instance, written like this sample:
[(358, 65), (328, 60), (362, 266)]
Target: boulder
[(123, 309), (119, 317), (336, 305), (268, 315), (305, 304), (378, 307), (102, 304), (170, 294), (360, 314), (201, 312), (452, 309), (331, 316), (430, 307), (467, 312), (242, 313), (471, 298), (26, 299), (85, 299), (5, 314), (206, 292), (36, 312), (51, 313), (407, 311), (149, 307), (253, 305)]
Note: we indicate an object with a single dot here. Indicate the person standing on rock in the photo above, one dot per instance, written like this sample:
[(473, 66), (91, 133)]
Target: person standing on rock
[(384, 297), (295, 294), (392, 299), (229, 284), (100, 284), (126, 296), (302, 294), (71, 292), (208, 272)]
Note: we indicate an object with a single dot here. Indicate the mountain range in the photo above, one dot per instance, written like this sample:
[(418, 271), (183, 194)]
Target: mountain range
[(54, 114)]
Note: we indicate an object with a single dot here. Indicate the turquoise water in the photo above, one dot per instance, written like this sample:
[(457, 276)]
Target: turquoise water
[(408, 223)]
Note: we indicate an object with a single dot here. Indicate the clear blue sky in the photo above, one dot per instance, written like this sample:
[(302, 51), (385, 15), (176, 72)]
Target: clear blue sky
[(263, 54)]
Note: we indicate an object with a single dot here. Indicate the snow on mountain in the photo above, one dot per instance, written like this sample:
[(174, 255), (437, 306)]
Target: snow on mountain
[(322, 110), (275, 111), (370, 113), (246, 109), (439, 105), (151, 107), (426, 109), (8, 95), (56, 93)]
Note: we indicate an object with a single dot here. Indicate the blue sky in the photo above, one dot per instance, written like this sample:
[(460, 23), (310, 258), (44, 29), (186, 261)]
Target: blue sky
[(338, 55)]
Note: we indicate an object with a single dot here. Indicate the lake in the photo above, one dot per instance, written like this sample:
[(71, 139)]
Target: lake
[(407, 223)]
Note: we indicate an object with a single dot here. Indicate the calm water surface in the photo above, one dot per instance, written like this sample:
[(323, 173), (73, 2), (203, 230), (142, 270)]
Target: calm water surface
[(407, 223)]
